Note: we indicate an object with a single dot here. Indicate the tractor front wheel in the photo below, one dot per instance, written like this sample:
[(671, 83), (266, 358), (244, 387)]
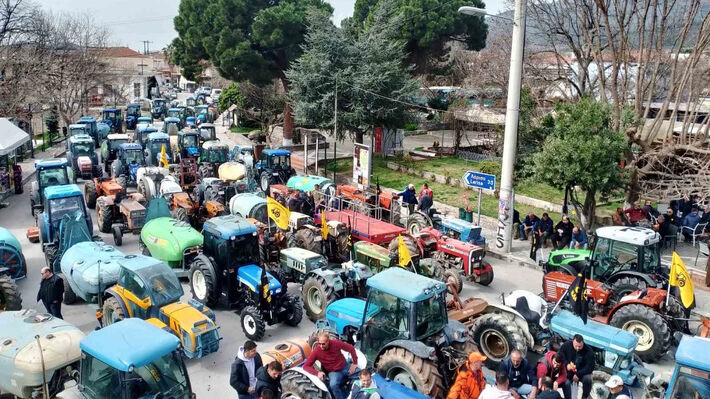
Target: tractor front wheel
[(181, 215), (599, 390), (453, 277), (295, 385), (117, 235), (402, 366), (317, 295), (103, 217), (10, 297), (496, 336), (650, 328), (253, 323), (485, 278), (293, 310), (203, 283), (416, 222), (265, 182), (90, 194), (112, 312), (69, 294)]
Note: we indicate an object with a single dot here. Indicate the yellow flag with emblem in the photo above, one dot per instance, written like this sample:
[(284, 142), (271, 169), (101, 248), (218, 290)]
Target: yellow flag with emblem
[(163, 156), (278, 213), (323, 226), (404, 256), (679, 277)]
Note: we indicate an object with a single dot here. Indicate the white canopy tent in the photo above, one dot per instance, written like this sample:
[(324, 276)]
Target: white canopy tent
[(11, 137)]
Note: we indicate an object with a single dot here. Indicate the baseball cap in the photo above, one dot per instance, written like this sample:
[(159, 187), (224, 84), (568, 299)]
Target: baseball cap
[(411, 185), (476, 357), (614, 382)]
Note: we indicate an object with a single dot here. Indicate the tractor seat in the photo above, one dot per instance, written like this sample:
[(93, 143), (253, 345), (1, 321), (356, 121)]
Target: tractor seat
[(521, 305), (52, 181)]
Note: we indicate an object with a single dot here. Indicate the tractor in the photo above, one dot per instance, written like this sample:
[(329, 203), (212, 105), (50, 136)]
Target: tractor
[(109, 148), (305, 233), (76, 129), (625, 258), (113, 117), (213, 155), (82, 158), (691, 373), (459, 229), (381, 205), (204, 114), (148, 289), (154, 147), (142, 132), (125, 167), (120, 213), (12, 260), (403, 331), (241, 153), (186, 112), (648, 313), (172, 125), (144, 120), (188, 145), (133, 112), (175, 113), (274, 167), (97, 133), (160, 109), (87, 268), (100, 187), (208, 131), (50, 172), (225, 270)]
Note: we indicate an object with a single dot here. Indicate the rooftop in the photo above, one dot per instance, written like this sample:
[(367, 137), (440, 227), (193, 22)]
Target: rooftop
[(405, 285)]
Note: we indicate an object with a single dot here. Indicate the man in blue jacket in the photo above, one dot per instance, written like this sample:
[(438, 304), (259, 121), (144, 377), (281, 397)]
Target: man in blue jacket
[(544, 230), (520, 374), (409, 197)]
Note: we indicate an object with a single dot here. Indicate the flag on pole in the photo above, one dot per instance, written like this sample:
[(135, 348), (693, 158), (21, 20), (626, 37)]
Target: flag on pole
[(323, 226), (404, 256), (163, 156), (578, 296), (349, 241), (680, 278), (278, 213), (533, 245)]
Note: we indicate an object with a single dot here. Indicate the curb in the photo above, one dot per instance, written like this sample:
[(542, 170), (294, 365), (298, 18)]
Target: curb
[(514, 259)]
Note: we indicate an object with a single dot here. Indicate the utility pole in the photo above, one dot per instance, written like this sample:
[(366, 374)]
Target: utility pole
[(146, 46), (335, 130)]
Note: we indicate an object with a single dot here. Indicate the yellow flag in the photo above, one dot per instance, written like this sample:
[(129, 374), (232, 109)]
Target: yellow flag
[(680, 278), (323, 226), (163, 156), (278, 213), (404, 256)]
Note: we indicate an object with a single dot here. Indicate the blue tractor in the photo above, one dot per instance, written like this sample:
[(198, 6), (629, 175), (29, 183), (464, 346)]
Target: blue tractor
[(113, 117), (172, 124), (125, 167), (459, 229), (133, 112), (95, 130), (160, 108), (154, 146), (142, 132), (691, 374), (50, 172), (403, 330), (225, 270), (274, 167)]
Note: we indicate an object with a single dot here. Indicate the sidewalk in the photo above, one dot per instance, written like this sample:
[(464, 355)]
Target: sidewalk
[(28, 166)]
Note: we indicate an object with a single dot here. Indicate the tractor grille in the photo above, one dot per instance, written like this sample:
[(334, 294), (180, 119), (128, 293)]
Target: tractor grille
[(138, 218), (550, 289)]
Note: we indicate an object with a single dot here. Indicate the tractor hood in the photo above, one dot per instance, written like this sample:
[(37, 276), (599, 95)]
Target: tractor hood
[(347, 312), (90, 267), (250, 275), (597, 335), (168, 238)]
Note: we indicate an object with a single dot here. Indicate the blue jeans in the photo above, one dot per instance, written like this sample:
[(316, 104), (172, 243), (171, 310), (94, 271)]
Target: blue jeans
[(250, 396), (573, 243), (524, 390), (335, 380)]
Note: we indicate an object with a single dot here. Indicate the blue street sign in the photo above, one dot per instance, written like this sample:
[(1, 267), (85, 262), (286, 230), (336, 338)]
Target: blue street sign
[(480, 180)]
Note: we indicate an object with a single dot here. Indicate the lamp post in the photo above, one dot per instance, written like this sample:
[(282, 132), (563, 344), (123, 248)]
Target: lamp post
[(504, 236)]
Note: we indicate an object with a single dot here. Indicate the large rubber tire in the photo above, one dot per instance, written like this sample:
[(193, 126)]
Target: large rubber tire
[(90, 194), (653, 332), (401, 365), (416, 222), (104, 217), (142, 248), (454, 278), (408, 242), (625, 286), (496, 336), (69, 294), (112, 311), (181, 215), (599, 390), (50, 256), (341, 253), (294, 310), (486, 278), (204, 171), (117, 235), (10, 297), (264, 182), (317, 295), (122, 181), (212, 195), (143, 189), (305, 238), (253, 323), (203, 284), (295, 385)]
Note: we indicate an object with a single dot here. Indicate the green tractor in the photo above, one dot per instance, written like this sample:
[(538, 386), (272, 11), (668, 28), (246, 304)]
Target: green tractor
[(213, 154), (109, 148), (379, 258)]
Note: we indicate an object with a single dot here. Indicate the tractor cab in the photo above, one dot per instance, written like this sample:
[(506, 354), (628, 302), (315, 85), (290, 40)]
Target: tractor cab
[(691, 374), (148, 281), (203, 114), (208, 131), (274, 167), (82, 157), (61, 201), (50, 172), (171, 125), (188, 144), (462, 230), (232, 241), (92, 126), (154, 147), (142, 132), (190, 101), (214, 152), (243, 154), (174, 113), (109, 148), (185, 112), (147, 120), (132, 359), (160, 108), (114, 118), (76, 129), (128, 160), (133, 112)]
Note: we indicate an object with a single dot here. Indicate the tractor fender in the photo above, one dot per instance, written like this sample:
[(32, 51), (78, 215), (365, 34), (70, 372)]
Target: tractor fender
[(111, 293), (313, 378), (516, 317), (331, 278), (106, 200), (629, 273), (335, 228), (419, 349)]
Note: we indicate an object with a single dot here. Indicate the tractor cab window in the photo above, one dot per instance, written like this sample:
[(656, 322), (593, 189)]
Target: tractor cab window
[(53, 177), (691, 383), (216, 155), (171, 128), (157, 145), (133, 283), (134, 156), (164, 376), (651, 258), (389, 322), (78, 130), (282, 161), (613, 256), (207, 133), (68, 206), (99, 380), (316, 263), (431, 316), (174, 113), (83, 149), (164, 288), (115, 143), (189, 140), (134, 110), (244, 250)]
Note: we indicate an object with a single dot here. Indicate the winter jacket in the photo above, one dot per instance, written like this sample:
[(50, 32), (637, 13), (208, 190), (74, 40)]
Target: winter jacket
[(492, 392), (425, 203), (426, 192), (544, 368), (549, 394), (566, 229), (408, 196), (580, 237), (691, 219), (468, 384), (331, 359), (359, 392), (532, 222), (51, 290), (545, 226), (264, 381), (523, 374), (239, 376), (636, 214), (583, 360)]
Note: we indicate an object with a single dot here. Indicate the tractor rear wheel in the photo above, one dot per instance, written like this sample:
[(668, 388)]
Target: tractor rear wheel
[(265, 182), (117, 235), (317, 295), (306, 238), (112, 312), (496, 336), (90, 194), (253, 323), (116, 168), (453, 277), (340, 250), (408, 242), (402, 366), (212, 195), (599, 390), (69, 294), (122, 181), (625, 286), (142, 248), (181, 215), (103, 217), (294, 310), (203, 283), (50, 255), (295, 385), (205, 171), (10, 297), (650, 328), (416, 222)]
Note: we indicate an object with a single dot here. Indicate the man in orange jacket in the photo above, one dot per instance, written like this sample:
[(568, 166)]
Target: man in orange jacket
[(469, 379)]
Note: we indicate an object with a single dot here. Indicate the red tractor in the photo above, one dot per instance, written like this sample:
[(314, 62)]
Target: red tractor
[(643, 313)]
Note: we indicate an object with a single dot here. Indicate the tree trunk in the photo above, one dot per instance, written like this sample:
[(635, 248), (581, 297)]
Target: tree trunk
[(589, 210), (359, 136), (288, 118)]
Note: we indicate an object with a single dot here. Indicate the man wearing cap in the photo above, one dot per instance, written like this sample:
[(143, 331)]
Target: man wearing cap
[(469, 378), (617, 389), (409, 197)]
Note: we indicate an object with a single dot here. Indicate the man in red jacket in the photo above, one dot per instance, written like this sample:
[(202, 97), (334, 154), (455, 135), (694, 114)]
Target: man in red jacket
[(332, 361), (552, 365)]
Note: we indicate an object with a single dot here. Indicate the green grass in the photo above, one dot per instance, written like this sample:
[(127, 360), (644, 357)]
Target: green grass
[(242, 130)]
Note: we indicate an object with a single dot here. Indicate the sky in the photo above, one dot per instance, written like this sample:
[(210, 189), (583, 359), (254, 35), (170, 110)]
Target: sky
[(131, 22)]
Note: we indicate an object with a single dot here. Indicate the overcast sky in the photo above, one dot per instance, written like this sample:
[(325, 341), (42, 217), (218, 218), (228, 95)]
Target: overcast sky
[(133, 21)]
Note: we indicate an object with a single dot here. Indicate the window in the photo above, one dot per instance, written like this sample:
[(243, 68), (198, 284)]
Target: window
[(389, 322), (83, 149), (53, 177), (431, 316), (691, 384), (99, 379), (165, 376), (61, 207)]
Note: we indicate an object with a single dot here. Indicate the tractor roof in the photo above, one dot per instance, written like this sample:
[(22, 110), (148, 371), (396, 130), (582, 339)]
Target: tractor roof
[(50, 163), (277, 152), (300, 253), (110, 110), (188, 132), (148, 129), (640, 236), (202, 106), (229, 226), (405, 285), (118, 136), (77, 126), (87, 119), (158, 136), (458, 224), (131, 343), (206, 125), (597, 335), (175, 109), (80, 138), (63, 191), (145, 118), (690, 350), (133, 105), (130, 146), (214, 145), (171, 119)]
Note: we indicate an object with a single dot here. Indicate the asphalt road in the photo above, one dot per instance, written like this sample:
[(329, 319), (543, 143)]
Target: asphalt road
[(210, 375)]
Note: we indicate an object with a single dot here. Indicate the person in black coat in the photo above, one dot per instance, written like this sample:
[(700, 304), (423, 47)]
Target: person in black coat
[(243, 375), (544, 230), (563, 233), (580, 364), (51, 290), (269, 377)]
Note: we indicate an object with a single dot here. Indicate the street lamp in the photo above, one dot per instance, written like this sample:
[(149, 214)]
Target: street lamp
[(504, 236)]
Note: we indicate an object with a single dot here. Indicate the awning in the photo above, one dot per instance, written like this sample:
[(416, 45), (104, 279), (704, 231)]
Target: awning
[(11, 137)]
